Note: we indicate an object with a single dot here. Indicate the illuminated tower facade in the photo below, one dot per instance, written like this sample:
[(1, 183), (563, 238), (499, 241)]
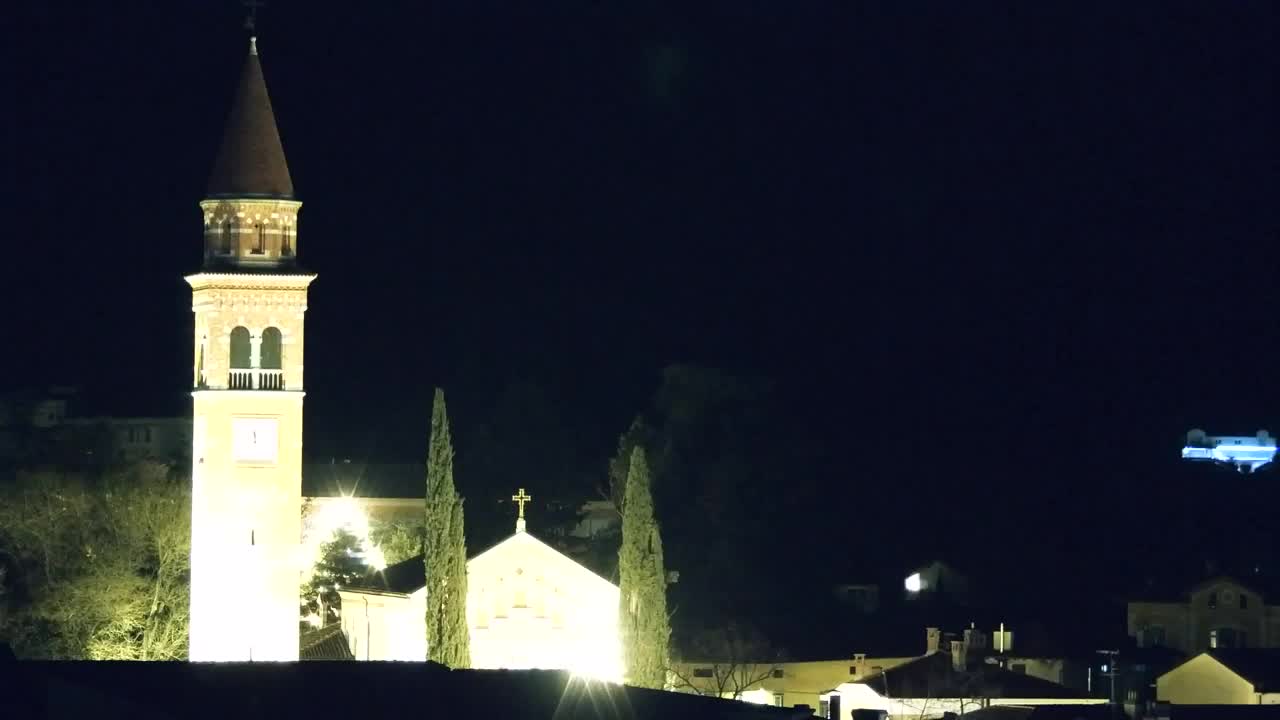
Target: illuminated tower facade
[(249, 299)]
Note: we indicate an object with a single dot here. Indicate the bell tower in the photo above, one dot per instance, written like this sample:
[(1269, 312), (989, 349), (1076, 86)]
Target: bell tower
[(249, 299)]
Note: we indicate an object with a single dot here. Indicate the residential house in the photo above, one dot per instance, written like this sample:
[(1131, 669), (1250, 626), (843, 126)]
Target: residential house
[(945, 682), (1224, 677), (1220, 613)]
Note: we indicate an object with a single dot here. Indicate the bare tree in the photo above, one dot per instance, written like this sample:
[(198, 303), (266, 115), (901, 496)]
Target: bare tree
[(104, 563), (726, 662)]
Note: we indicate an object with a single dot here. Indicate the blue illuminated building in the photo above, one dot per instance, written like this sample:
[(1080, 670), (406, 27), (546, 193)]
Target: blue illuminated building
[(1246, 453)]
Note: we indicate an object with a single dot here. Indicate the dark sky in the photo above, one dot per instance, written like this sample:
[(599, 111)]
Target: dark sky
[(996, 255)]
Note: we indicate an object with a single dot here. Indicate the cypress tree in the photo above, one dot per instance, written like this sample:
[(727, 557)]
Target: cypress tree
[(444, 550), (642, 615), (456, 612)]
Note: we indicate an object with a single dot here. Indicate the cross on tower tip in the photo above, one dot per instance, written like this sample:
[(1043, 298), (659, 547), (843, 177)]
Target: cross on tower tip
[(520, 498)]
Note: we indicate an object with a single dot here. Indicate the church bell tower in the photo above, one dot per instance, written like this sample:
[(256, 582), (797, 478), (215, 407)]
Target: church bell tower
[(249, 299)]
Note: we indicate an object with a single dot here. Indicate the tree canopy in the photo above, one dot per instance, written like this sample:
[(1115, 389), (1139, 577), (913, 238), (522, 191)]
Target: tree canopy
[(341, 563), (97, 567)]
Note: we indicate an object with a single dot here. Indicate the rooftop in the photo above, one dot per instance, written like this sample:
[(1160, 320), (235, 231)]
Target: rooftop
[(251, 162)]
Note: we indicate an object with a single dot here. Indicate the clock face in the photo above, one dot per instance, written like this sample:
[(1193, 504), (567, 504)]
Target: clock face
[(254, 440)]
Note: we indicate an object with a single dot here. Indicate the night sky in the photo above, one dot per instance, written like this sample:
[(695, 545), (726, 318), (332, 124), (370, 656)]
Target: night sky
[(998, 257)]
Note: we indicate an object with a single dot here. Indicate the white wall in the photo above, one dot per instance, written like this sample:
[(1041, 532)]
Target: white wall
[(385, 627)]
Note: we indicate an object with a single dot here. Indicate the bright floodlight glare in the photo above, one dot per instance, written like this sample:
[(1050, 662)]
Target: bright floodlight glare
[(913, 583), (346, 513)]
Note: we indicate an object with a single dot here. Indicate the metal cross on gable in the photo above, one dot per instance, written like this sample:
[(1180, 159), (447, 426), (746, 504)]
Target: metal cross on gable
[(521, 498)]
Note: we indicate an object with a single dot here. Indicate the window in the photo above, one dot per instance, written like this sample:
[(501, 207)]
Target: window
[(824, 708), (777, 672), (853, 671), (286, 244), (1020, 668), (224, 246), (261, 247), (240, 348), (270, 351), (777, 699), (146, 434), (1213, 600), (702, 672), (1226, 638), (1244, 601)]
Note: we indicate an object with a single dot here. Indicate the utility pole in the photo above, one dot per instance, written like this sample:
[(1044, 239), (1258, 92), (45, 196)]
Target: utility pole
[(1109, 671)]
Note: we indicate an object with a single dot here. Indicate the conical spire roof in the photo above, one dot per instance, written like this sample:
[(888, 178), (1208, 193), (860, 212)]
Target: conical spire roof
[(251, 162)]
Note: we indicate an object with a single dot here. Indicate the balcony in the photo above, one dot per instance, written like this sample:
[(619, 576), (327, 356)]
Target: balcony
[(255, 379)]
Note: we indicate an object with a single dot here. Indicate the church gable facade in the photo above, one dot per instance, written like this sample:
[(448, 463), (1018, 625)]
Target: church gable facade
[(528, 606)]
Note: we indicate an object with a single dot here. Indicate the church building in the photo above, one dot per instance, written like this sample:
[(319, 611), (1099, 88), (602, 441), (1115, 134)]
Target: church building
[(528, 606)]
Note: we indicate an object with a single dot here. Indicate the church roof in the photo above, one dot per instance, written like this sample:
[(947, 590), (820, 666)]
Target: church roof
[(402, 578), (409, 576), (251, 162), (326, 643)]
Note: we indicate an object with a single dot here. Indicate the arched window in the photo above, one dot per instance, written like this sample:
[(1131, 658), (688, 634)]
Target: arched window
[(240, 348), (261, 247), (241, 358), (228, 228), (286, 240), (269, 359), (271, 349)]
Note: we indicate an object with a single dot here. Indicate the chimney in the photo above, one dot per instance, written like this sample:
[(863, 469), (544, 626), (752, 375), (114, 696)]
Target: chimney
[(958, 660), (859, 669), (933, 637)]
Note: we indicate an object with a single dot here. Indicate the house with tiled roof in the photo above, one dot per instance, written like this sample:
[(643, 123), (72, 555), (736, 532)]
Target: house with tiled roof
[(1249, 676), (946, 682)]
